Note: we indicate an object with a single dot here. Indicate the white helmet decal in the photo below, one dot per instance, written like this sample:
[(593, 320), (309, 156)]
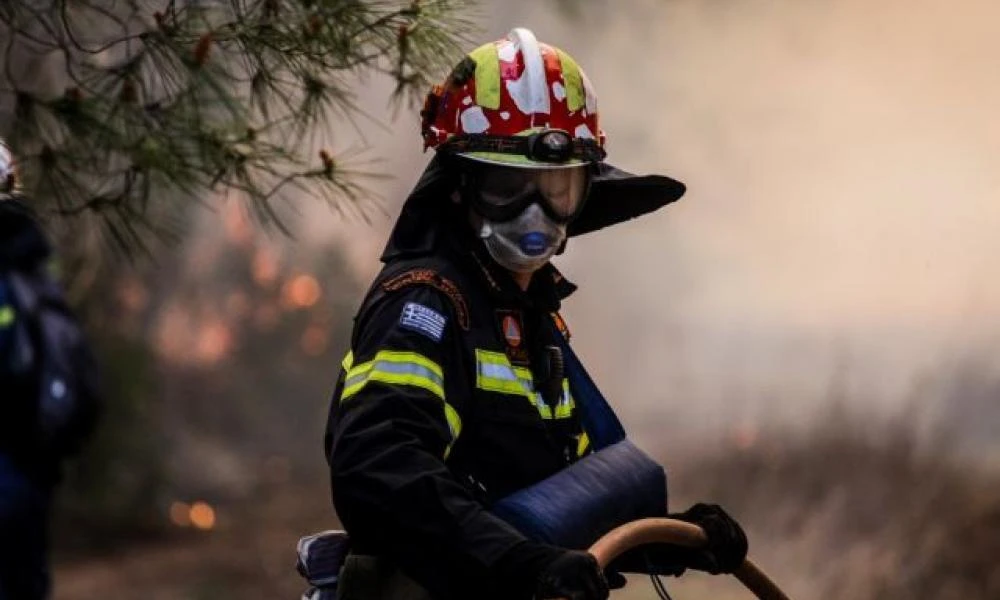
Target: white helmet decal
[(531, 91)]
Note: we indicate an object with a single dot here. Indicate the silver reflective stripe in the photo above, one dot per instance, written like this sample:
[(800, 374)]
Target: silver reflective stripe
[(396, 368), (497, 371), (352, 381)]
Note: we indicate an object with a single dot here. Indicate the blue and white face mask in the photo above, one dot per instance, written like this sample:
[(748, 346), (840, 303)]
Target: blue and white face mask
[(525, 243)]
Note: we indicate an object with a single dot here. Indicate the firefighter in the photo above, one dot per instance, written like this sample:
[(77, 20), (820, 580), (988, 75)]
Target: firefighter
[(449, 398), (49, 394)]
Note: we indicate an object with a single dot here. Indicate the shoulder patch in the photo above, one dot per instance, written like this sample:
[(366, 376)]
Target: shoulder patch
[(431, 278), (423, 319), (561, 325)]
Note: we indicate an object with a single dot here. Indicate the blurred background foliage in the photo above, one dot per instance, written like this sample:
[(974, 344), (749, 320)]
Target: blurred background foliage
[(218, 366)]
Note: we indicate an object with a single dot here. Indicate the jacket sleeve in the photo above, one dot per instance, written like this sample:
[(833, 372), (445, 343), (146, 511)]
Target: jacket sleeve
[(398, 415)]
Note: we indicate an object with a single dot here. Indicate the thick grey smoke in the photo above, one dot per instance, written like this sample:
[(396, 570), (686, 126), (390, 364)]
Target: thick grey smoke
[(839, 234)]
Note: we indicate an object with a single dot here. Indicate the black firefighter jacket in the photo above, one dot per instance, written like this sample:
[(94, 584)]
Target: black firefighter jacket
[(446, 403)]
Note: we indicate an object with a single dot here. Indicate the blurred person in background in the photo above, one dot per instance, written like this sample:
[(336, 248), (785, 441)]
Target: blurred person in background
[(48, 391), (453, 396)]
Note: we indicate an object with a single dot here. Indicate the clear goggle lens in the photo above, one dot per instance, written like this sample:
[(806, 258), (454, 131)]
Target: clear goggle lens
[(506, 191)]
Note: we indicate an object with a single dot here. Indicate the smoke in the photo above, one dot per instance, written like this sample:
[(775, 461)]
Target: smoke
[(838, 237)]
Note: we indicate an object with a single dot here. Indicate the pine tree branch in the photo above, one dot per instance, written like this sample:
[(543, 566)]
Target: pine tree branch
[(133, 111)]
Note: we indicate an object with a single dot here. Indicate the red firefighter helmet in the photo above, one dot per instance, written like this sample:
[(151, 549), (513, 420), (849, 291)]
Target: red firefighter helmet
[(516, 102)]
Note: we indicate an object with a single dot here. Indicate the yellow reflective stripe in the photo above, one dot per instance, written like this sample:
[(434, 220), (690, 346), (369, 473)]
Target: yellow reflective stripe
[(494, 373), (575, 98), (487, 75), (7, 315), (383, 375), (348, 361), (402, 368), (356, 379), (543, 409), (454, 425), (407, 357), (564, 409), (526, 379), (582, 444), (566, 403), (395, 368)]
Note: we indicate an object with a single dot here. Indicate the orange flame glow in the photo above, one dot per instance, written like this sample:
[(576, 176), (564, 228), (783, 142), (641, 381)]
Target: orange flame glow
[(214, 342), (202, 516), (301, 291)]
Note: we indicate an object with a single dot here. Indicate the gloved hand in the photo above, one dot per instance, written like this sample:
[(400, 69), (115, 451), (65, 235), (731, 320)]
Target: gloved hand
[(727, 544), (616, 580), (574, 576), (543, 572)]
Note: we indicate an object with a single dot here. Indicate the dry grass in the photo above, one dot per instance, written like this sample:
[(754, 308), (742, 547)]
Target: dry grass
[(848, 510), (859, 510)]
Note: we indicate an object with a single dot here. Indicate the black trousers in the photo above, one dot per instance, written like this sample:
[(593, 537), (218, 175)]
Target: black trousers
[(24, 523), (372, 578)]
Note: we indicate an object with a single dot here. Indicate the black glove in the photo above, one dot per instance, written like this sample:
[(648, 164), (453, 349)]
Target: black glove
[(535, 570), (727, 544), (574, 576), (616, 580)]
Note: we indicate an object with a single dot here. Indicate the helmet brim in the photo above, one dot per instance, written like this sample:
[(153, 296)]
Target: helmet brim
[(617, 196), (518, 160)]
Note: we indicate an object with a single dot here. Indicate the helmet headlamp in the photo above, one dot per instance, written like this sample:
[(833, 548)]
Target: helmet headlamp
[(548, 146)]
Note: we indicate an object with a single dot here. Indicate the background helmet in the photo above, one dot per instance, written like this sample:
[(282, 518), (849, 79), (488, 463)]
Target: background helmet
[(8, 170), (500, 102)]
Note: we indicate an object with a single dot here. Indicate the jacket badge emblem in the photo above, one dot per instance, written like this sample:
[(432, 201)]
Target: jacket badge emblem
[(512, 331)]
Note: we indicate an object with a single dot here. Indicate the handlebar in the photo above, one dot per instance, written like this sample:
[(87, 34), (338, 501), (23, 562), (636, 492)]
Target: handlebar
[(679, 533)]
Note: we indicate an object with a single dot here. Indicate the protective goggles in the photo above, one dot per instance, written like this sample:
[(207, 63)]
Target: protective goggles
[(501, 193)]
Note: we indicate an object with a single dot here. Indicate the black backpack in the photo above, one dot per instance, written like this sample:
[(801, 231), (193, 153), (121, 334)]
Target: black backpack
[(42, 345), (60, 359)]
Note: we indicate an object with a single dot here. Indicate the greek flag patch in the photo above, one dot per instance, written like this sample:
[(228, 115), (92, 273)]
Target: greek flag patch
[(419, 318)]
